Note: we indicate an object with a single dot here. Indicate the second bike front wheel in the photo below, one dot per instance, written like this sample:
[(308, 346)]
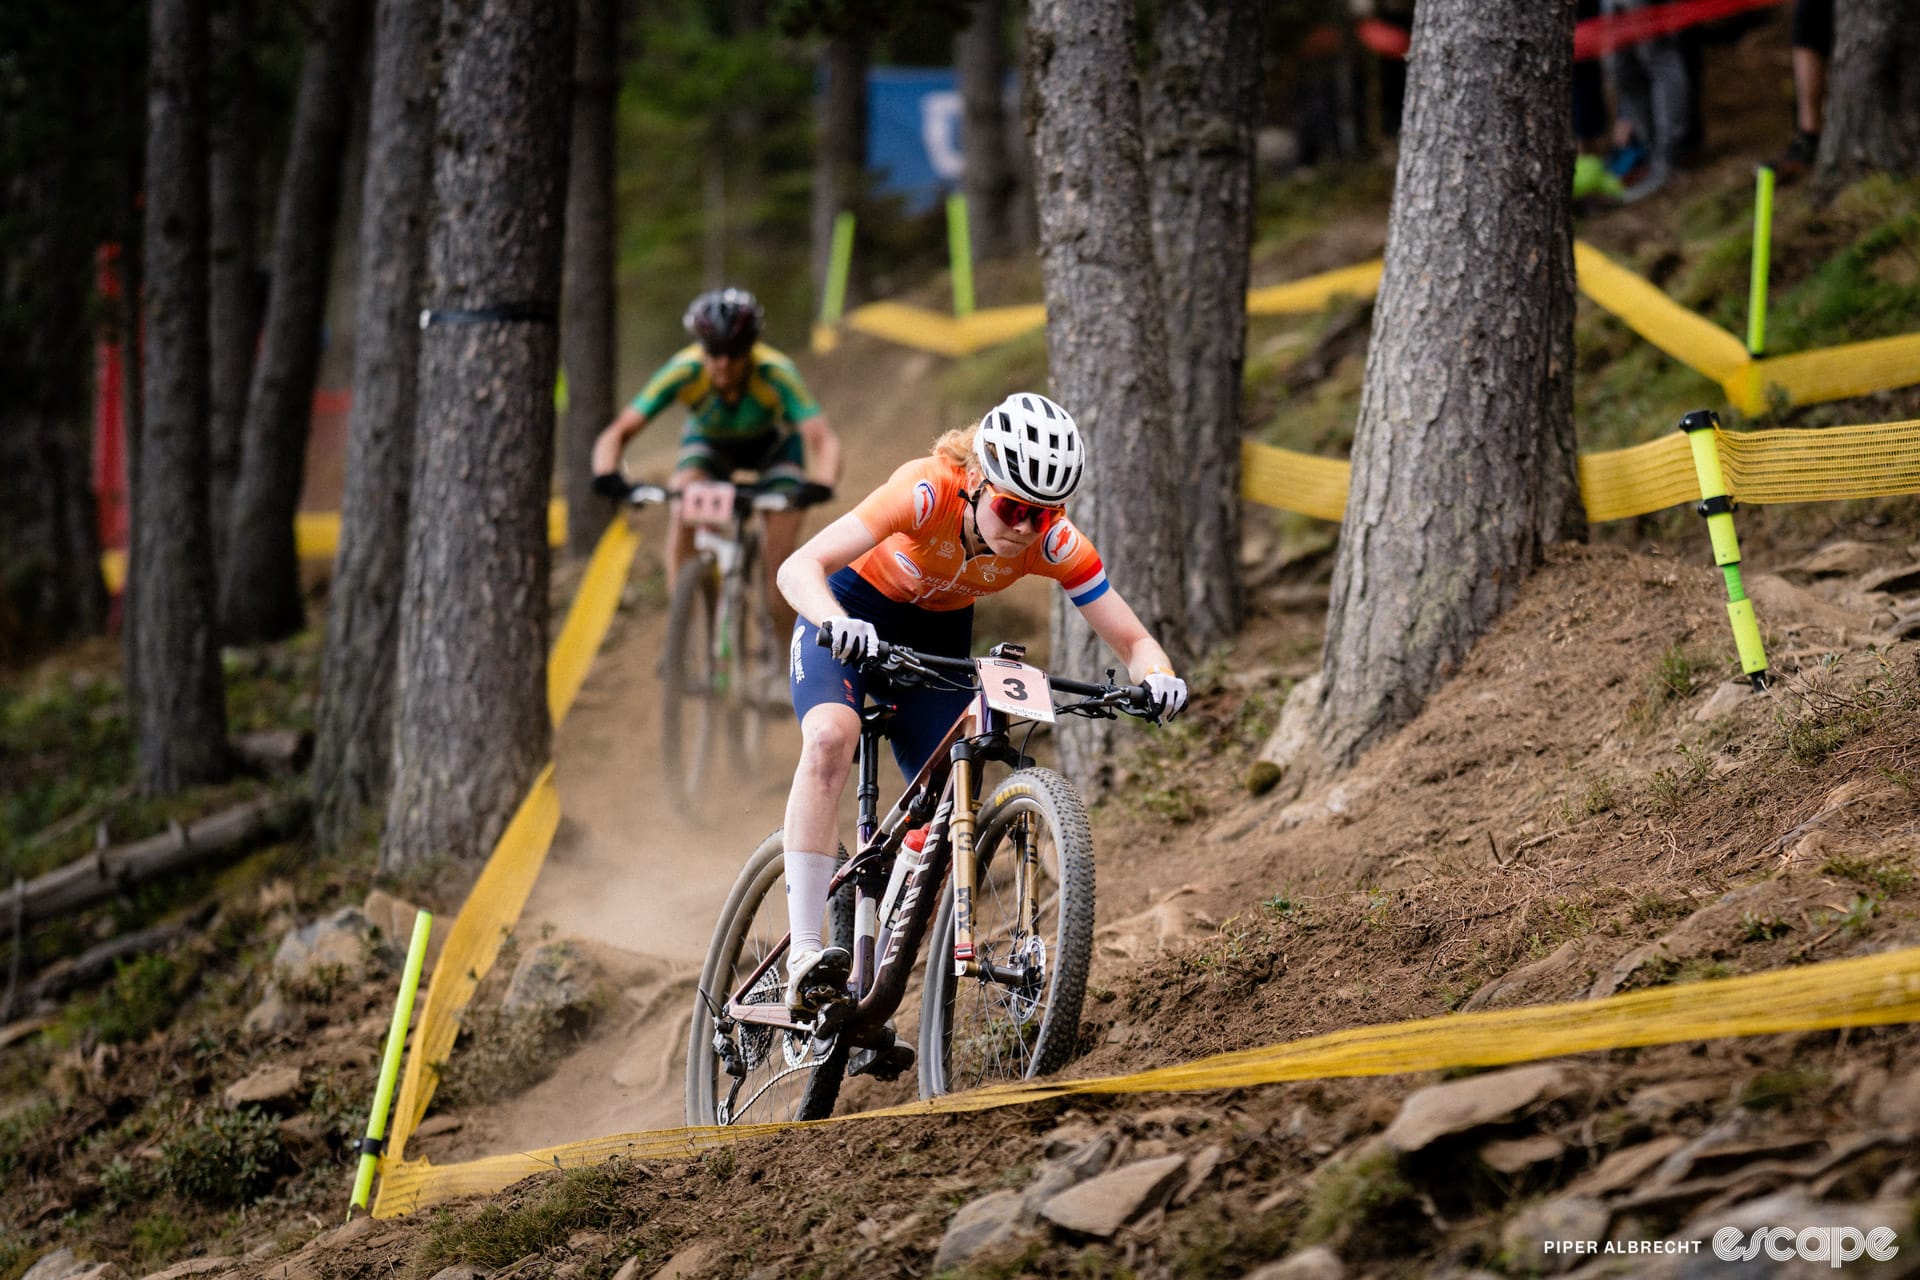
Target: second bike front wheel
[(786, 1075), (1019, 1016), (689, 713)]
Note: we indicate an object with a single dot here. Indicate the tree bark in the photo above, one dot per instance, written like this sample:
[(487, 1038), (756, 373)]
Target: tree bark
[(981, 59), (1106, 336), (354, 733), (587, 328), (1202, 102), (181, 714), (56, 203), (1463, 457), (50, 584), (260, 581), (472, 724), (1873, 97), (840, 156), (233, 316)]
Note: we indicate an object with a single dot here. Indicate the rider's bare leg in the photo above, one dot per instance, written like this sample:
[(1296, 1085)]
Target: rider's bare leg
[(828, 736), (783, 534), (679, 536)]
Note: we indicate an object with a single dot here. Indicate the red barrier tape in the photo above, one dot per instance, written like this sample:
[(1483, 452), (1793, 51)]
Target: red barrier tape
[(1596, 37)]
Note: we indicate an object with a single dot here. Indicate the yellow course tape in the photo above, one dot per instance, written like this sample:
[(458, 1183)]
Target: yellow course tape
[(1870, 991), (594, 602), (1685, 335), (1807, 377), (497, 896), (316, 536)]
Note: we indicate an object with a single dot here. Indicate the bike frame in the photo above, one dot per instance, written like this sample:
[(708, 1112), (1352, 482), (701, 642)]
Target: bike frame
[(894, 900), (734, 556)]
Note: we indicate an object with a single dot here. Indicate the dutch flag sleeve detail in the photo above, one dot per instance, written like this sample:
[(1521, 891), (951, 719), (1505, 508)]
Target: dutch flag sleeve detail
[(1089, 588)]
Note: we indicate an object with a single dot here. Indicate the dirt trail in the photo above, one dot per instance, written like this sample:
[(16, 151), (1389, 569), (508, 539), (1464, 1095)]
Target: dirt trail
[(627, 872)]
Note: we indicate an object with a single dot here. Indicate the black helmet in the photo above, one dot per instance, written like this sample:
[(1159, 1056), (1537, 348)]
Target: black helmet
[(726, 321)]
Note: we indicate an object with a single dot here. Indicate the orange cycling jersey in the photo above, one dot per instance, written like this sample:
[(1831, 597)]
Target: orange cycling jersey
[(915, 517)]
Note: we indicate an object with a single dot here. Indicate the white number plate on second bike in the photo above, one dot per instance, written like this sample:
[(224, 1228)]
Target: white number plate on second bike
[(706, 502), (1016, 688)]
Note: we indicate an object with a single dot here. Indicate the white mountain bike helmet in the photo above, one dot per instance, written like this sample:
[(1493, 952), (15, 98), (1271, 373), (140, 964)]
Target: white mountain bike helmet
[(1027, 446)]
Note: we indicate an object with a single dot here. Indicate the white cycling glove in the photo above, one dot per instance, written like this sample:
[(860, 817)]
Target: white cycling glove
[(1168, 692), (853, 638)]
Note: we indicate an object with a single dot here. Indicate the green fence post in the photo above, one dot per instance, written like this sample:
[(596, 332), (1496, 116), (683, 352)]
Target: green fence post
[(1702, 427), (839, 262), (371, 1146), (960, 254), (1762, 250)]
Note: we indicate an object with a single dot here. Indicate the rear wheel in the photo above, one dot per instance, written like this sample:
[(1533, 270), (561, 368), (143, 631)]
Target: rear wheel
[(690, 713), (1020, 1020), (787, 1075)]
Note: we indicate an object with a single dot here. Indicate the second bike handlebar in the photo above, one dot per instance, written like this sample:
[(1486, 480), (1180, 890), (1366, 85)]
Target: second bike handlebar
[(779, 496), (1133, 699)]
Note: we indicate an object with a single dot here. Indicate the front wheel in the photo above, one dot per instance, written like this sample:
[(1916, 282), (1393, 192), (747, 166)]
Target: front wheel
[(782, 1075), (1018, 1017)]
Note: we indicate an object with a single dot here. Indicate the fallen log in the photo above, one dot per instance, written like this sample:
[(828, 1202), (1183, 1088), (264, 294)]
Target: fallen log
[(64, 976), (106, 872)]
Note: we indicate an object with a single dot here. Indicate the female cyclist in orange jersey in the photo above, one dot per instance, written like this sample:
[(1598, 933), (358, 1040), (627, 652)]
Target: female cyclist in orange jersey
[(905, 566)]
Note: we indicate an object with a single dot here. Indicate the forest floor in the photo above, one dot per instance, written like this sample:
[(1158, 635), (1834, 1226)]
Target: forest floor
[(1591, 805)]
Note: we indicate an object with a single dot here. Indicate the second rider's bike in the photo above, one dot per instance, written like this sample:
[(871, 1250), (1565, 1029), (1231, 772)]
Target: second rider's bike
[(1004, 881), (722, 673)]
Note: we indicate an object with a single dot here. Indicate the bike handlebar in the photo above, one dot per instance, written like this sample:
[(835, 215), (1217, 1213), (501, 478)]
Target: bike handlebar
[(757, 496), (1133, 699)]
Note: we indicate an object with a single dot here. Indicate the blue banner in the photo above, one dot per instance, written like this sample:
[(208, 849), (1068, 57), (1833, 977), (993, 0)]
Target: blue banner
[(913, 133)]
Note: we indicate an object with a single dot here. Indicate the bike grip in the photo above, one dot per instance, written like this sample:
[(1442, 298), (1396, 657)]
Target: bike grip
[(823, 635)]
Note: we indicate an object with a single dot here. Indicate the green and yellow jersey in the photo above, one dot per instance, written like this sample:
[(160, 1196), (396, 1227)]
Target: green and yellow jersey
[(773, 400)]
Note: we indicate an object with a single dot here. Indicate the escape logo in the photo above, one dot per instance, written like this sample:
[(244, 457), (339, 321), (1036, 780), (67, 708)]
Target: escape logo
[(1835, 1245)]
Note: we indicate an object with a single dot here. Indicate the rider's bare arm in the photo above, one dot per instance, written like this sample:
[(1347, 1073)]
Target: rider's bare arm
[(803, 578), (823, 450), (1114, 621), (612, 441)]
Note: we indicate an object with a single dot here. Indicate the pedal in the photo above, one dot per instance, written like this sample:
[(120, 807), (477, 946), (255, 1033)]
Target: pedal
[(884, 1063), (826, 986)]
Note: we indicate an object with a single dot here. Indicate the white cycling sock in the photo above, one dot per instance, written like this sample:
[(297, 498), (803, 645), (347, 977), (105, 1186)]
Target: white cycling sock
[(808, 875)]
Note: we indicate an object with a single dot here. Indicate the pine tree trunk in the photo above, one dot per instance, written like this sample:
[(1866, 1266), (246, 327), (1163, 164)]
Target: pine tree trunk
[(233, 317), (354, 735), (472, 725), (1202, 102), (1463, 458), (988, 182), (840, 157), (1106, 335), (587, 328), (180, 698), (50, 584), (260, 581), (1873, 96)]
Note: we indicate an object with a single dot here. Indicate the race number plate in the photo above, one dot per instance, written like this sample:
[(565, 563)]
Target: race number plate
[(1016, 688), (706, 502)]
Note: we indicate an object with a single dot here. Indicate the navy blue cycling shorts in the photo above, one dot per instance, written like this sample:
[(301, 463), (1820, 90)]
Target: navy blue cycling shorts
[(925, 713)]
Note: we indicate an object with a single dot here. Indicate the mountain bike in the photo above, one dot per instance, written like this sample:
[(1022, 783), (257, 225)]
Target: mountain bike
[(1011, 939), (722, 676)]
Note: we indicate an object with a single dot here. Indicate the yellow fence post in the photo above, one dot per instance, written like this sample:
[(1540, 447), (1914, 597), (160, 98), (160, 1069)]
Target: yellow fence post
[(371, 1146), (1702, 427)]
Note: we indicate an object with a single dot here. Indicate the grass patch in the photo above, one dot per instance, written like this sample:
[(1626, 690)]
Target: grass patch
[(503, 1231), (145, 994), (227, 1158), (974, 383), (1781, 1090), (499, 1054), (1364, 1198), (1886, 875)]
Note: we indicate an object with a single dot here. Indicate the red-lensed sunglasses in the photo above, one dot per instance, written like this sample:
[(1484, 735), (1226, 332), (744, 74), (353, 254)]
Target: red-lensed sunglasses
[(1013, 512)]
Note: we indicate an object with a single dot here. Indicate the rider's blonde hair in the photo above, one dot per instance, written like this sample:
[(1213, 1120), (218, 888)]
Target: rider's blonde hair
[(956, 446)]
